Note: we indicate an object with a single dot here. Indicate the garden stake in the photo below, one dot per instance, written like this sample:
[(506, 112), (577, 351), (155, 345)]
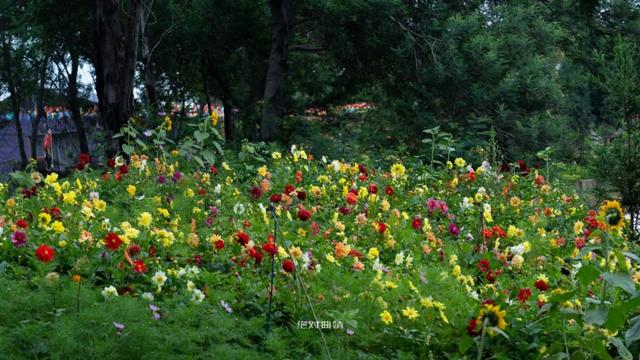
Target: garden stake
[(301, 284)]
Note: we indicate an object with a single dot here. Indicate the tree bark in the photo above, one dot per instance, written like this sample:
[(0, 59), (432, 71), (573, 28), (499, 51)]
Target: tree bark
[(72, 98), (274, 90), (228, 122), (117, 53), (40, 111), (15, 98), (148, 68)]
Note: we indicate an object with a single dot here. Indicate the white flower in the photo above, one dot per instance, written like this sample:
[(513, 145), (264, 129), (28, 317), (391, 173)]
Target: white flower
[(306, 260), (217, 189), (238, 209), (399, 258), (517, 250), (109, 291), (94, 195), (190, 286), (482, 190), (466, 203), (336, 165), (148, 296), (197, 296), (159, 278), (193, 271)]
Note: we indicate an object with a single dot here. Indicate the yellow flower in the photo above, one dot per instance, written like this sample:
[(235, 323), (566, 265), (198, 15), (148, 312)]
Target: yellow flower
[(100, 205), (373, 253), (397, 170), (58, 227), (44, 218), (168, 124), (276, 155), (460, 162), (449, 165), (69, 198), (164, 212), (386, 317), (131, 189), (262, 170), (613, 215), (295, 252), (410, 313), (495, 316), (214, 118), (51, 179), (426, 302), (145, 219)]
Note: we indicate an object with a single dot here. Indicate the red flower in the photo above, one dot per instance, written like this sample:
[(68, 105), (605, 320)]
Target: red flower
[(416, 223), (112, 241), (344, 210), (139, 267), (276, 198), (541, 285), (373, 188), (302, 195), (270, 248), (255, 193), (362, 168), (355, 253), (243, 238), (124, 169), (471, 327), (289, 189), (389, 190), (539, 180), (304, 214), (219, 244), (111, 163), (213, 169), (288, 266), (382, 227), (484, 265), (580, 242), (524, 295), (22, 223), (45, 253), (351, 198), (490, 276), (257, 256), (298, 176), (133, 249)]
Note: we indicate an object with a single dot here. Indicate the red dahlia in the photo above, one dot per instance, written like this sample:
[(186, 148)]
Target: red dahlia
[(304, 214), (288, 266), (112, 241), (45, 253)]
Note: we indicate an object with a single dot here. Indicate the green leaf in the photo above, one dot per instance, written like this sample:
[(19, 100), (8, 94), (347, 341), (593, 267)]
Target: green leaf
[(632, 334), (631, 256), (465, 344), (621, 280), (128, 149), (587, 274), (141, 143), (200, 136), (600, 350), (596, 316), (198, 159), (562, 297), (208, 156), (218, 147), (622, 350), (616, 318)]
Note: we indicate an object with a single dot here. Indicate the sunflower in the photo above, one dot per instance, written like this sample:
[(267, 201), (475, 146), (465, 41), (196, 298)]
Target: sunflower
[(613, 215), (494, 315)]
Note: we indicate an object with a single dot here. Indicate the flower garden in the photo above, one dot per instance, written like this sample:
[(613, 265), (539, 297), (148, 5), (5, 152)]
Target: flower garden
[(153, 256)]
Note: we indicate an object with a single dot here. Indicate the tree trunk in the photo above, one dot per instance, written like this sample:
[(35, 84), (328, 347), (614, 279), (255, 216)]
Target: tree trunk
[(72, 98), (117, 53), (15, 98), (40, 111), (205, 87), (228, 122), (274, 90), (148, 68)]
